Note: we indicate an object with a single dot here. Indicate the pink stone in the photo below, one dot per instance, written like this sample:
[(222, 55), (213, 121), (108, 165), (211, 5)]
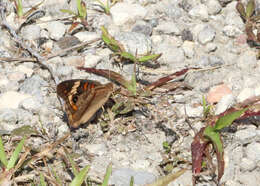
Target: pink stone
[(217, 92)]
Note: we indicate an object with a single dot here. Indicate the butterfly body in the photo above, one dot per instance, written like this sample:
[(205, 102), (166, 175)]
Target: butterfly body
[(83, 98)]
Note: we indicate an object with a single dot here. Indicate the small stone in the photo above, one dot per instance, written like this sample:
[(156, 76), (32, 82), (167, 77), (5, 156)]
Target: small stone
[(215, 61), (200, 11), (87, 36), (168, 27), (206, 35), (211, 47), (186, 35), (30, 104), (188, 48), (97, 149), (231, 31), (143, 28), (68, 41), (247, 164), (225, 102), (124, 12), (246, 135), (11, 99), (56, 29), (253, 152), (16, 76), (194, 111), (121, 177), (247, 60), (245, 94), (8, 118), (76, 61), (173, 56), (135, 42), (25, 69), (214, 7), (31, 32), (92, 60), (217, 92), (65, 71)]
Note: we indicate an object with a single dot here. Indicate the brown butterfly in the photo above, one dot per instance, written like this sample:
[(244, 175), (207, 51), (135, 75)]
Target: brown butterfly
[(83, 98)]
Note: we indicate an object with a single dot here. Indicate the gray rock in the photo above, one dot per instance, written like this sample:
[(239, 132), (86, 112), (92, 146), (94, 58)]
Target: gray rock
[(225, 103), (87, 36), (245, 136), (64, 71), (231, 31), (233, 19), (211, 47), (203, 61), (168, 27), (253, 152), (30, 104), (11, 99), (172, 56), (92, 60), (245, 94), (121, 177), (33, 86), (135, 42), (247, 60), (249, 178), (206, 35), (188, 48), (247, 164), (56, 29), (200, 11), (8, 119), (31, 32), (97, 149), (215, 61), (124, 12), (214, 7), (143, 28)]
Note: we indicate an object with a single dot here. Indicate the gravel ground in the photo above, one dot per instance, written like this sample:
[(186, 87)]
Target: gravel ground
[(208, 34)]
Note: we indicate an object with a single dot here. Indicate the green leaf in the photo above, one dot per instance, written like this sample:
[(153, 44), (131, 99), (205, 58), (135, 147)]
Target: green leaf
[(108, 173), (133, 84), (73, 165), (214, 136), (78, 180), (42, 181), (241, 9), (110, 41), (20, 9), (127, 55), (250, 8), (68, 11), (227, 120), (15, 155), (132, 181), (206, 108), (149, 57), (2, 153)]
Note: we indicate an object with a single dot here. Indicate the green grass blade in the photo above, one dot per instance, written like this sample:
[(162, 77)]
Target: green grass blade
[(15, 155), (20, 8), (73, 166), (78, 180), (132, 181), (228, 119), (149, 57), (68, 11), (127, 55), (214, 136), (42, 181), (2, 153), (108, 173)]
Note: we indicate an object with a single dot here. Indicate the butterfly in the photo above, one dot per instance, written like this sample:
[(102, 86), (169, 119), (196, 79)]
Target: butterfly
[(83, 98)]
